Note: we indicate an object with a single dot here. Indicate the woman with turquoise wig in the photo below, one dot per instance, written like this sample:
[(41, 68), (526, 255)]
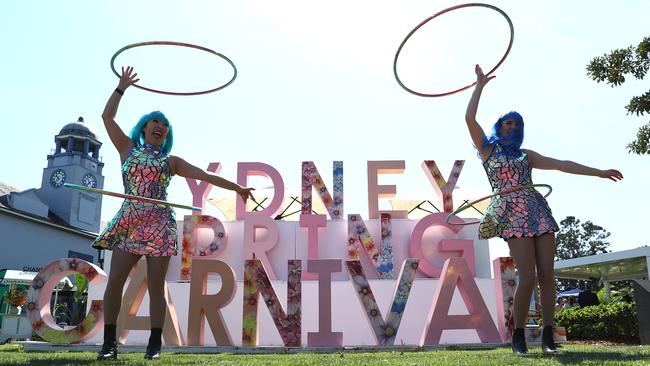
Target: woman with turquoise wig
[(522, 217), (140, 228)]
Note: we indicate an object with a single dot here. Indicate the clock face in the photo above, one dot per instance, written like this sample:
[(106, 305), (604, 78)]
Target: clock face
[(89, 181), (57, 178)]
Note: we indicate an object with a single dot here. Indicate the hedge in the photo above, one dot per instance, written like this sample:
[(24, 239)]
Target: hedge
[(614, 322)]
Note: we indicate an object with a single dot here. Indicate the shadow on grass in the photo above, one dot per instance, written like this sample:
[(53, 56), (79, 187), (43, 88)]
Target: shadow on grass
[(573, 357), (10, 348), (72, 360)]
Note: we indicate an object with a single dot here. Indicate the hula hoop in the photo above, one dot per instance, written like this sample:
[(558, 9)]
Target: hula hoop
[(512, 36), (465, 206), (129, 197), (168, 43)]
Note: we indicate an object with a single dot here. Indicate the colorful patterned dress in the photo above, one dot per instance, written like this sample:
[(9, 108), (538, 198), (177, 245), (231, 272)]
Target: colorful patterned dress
[(143, 228), (522, 213)]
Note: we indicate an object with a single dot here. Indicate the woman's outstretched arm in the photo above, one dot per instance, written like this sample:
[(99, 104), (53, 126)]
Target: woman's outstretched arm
[(187, 170), (475, 131), (540, 161), (119, 139)]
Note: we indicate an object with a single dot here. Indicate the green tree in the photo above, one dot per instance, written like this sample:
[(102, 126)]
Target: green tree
[(612, 68), (578, 239)]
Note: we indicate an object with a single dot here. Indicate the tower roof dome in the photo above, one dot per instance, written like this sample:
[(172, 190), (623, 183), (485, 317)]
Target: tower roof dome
[(78, 128)]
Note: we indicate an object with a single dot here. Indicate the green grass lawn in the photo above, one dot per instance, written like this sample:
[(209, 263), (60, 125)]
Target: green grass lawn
[(572, 354)]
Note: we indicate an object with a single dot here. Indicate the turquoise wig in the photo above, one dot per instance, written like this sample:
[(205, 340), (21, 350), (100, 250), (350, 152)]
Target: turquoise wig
[(137, 136), (512, 142)]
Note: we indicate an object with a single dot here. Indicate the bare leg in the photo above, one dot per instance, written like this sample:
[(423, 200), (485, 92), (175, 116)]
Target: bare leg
[(121, 264), (545, 255), (523, 252), (156, 271)]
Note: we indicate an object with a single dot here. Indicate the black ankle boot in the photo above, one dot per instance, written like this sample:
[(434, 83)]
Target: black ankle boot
[(519, 342), (108, 351), (548, 344), (153, 352), (153, 347), (109, 348)]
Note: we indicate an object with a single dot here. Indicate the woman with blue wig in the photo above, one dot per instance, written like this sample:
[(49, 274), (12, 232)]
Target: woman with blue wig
[(141, 228), (521, 217)]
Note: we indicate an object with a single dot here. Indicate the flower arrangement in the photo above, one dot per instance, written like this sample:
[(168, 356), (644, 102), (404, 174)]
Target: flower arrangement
[(15, 297)]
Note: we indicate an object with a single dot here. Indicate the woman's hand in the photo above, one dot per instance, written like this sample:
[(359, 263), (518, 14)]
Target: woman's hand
[(245, 193), (127, 79), (481, 79), (611, 174)]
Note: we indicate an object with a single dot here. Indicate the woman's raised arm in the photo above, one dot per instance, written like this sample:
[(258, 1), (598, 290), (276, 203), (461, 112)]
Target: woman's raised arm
[(475, 131), (120, 140)]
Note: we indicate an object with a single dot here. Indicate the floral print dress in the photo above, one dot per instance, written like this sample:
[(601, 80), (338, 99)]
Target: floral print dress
[(521, 213), (143, 228)]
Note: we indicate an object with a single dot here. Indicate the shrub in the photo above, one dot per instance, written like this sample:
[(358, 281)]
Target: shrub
[(614, 322), (15, 297)]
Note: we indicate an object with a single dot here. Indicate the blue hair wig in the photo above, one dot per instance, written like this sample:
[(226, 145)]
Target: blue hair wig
[(512, 142), (137, 135)]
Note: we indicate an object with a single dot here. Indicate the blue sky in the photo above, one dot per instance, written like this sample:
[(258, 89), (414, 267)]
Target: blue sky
[(315, 83)]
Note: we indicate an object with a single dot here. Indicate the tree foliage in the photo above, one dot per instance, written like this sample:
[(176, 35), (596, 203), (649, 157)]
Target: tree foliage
[(611, 68), (578, 239)]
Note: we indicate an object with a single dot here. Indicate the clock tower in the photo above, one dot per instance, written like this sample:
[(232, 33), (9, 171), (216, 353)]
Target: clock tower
[(74, 160)]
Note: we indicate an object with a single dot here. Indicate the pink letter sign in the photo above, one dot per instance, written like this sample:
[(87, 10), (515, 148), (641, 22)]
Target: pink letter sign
[(505, 284), (244, 170), (375, 191), (312, 223), (255, 282), (40, 293), (204, 306), (464, 246), (200, 191), (359, 236), (324, 337), (385, 330), (256, 247), (128, 318), (445, 189), (456, 273), (191, 247), (311, 178)]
